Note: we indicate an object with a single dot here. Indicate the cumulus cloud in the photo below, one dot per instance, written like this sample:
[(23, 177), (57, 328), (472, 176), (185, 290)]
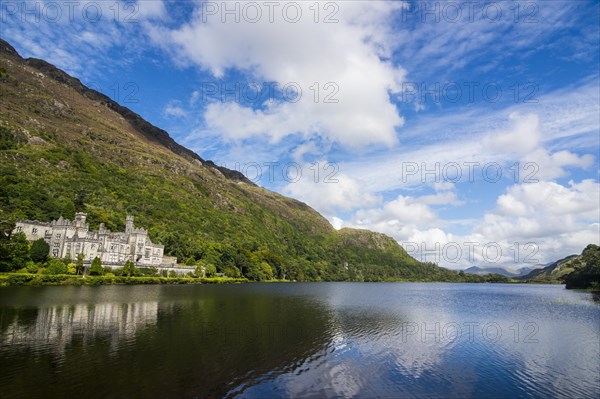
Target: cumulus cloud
[(549, 166), (539, 209), (342, 77), (531, 223), (340, 192), (523, 136)]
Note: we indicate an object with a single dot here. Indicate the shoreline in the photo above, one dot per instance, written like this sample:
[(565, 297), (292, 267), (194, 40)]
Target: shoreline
[(29, 279)]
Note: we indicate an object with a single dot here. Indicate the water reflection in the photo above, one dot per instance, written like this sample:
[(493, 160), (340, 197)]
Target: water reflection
[(300, 340), (55, 326)]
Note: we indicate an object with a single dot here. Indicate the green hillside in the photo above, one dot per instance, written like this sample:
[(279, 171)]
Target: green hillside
[(576, 271), (66, 148)]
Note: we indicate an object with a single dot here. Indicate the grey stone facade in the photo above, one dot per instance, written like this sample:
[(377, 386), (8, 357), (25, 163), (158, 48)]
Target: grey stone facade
[(69, 238)]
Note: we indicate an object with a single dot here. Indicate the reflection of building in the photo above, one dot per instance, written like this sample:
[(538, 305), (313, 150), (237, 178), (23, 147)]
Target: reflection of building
[(69, 238), (58, 325)]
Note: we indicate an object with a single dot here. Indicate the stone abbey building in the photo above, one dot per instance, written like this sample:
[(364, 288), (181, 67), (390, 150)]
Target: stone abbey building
[(69, 238)]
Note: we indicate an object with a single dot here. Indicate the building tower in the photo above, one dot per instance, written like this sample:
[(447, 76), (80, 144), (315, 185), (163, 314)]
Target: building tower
[(129, 224), (80, 219)]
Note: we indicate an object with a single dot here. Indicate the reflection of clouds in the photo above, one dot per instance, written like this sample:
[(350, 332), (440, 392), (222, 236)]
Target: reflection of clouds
[(372, 349), (367, 343), (56, 326), (561, 357)]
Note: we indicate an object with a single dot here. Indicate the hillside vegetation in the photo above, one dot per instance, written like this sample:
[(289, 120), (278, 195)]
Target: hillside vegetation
[(576, 271), (65, 148)]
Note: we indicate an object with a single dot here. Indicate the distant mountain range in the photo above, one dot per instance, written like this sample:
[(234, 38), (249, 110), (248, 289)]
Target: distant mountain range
[(505, 271)]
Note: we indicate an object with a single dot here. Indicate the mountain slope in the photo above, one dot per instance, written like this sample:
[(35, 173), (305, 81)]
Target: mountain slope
[(577, 271), (552, 272), (67, 148)]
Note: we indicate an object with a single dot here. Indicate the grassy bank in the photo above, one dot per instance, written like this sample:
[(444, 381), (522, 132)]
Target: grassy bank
[(28, 279)]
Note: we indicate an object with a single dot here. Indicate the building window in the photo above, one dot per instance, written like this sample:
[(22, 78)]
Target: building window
[(147, 253), (69, 247), (58, 236), (55, 252), (56, 245), (34, 231)]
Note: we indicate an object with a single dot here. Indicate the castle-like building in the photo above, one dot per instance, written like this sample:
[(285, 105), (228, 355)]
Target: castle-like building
[(70, 238)]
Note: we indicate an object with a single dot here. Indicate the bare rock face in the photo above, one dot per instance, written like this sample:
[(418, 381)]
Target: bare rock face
[(35, 140), (63, 165)]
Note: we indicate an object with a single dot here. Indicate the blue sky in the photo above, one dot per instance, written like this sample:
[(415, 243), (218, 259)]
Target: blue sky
[(469, 133)]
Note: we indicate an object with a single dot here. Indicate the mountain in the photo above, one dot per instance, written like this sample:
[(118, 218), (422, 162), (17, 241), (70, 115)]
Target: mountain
[(587, 270), (551, 272), (66, 148), (577, 271), (505, 271)]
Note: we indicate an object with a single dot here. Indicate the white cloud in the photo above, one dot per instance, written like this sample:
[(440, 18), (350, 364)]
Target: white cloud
[(174, 109), (524, 135), (552, 166), (567, 120), (343, 194), (550, 199), (343, 59), (532, 223)]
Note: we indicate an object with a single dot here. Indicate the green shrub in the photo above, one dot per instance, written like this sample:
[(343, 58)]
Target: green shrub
[(95, 281), (19, 279), (56, 266), (31, 267)]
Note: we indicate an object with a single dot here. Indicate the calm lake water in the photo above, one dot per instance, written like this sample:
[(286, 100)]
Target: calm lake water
[(311, 340)]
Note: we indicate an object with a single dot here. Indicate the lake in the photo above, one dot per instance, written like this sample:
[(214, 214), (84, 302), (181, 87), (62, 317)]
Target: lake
[(300, 340)]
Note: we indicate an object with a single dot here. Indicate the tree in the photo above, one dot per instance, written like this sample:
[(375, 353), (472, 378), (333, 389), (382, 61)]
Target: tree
[(96, 267), (129, 269), (79, 264), (190, 261), (587, 273), (67, 258), (71, 268), (210, 270), (39, 250), (267, 271), (18, 251)]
